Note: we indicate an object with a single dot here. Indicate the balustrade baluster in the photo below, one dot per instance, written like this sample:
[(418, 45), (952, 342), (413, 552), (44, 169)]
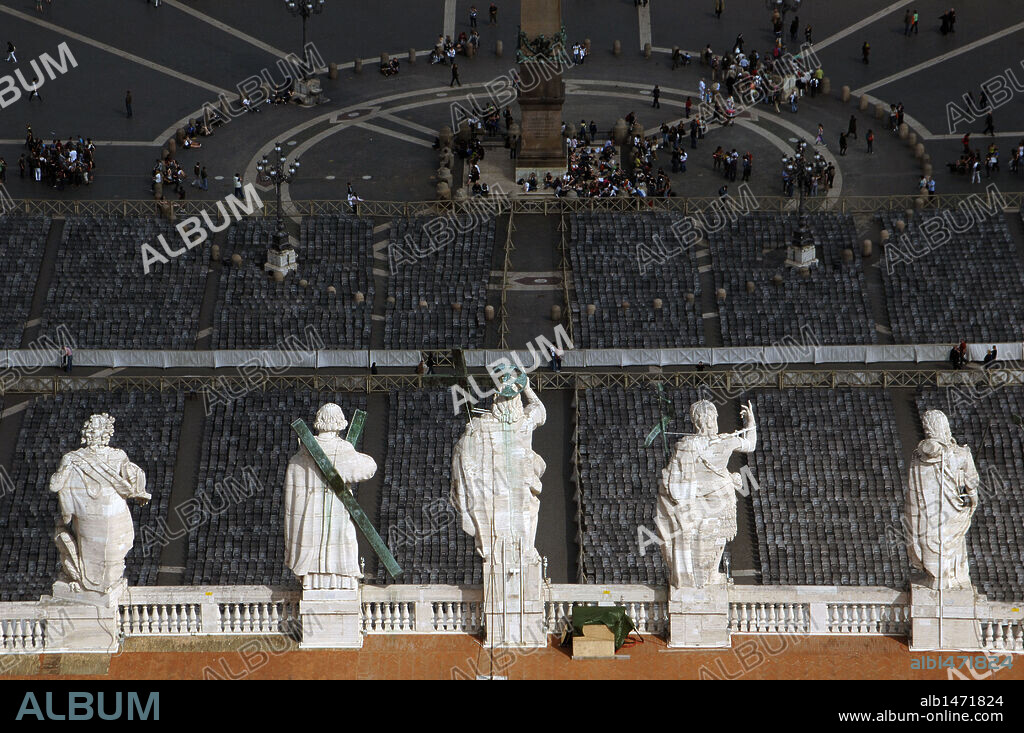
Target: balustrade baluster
[(275, 618), (37, 635)]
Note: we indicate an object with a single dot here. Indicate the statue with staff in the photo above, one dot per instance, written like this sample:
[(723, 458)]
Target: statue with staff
[(696, 513)]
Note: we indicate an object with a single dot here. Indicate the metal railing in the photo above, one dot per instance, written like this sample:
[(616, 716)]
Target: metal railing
[(1012, 201), (725, 381)]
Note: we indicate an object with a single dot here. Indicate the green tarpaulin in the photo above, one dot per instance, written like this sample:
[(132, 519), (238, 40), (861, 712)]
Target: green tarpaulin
[(614, 617)]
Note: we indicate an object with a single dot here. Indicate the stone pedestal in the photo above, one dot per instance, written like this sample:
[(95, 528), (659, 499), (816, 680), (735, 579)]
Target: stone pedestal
[(82, 621), (543, 91), (331, 619), (283, 261), (514, 603), (805, 255), (699, 617), (958, 629)]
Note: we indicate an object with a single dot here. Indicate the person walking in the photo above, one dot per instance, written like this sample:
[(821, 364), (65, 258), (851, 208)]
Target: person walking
[(976, 171), (197, 169), (808, 34), (914, 25), (204, 182), (689, 106), (870, 137), (11, 48), (931, 186), (719, 7), (455, 75), (851, 129), (238, 185), (990, 127), (908, 21), (34, 90), (865, 50), (493, 12), (793, 28), (128, 103), (842, 143), (67, 357), (472, 16), (820, 139), (657, 95)]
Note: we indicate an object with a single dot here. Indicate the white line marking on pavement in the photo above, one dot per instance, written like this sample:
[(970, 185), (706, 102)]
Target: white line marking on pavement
[(449, 18), (15, 410), (860, 24), (392, 133), (939, 59), (225, 28), (408, 123), (644, 14), (115, 51)]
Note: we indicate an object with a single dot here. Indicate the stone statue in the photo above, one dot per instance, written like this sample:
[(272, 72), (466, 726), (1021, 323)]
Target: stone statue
[(93, 484), (696, 498), (941, 499), (495, 471), (319, 535)]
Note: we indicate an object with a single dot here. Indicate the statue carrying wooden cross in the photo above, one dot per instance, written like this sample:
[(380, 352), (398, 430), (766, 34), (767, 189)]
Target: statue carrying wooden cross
[(319, 529)]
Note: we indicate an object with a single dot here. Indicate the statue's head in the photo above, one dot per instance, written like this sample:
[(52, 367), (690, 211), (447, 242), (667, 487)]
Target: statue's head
[(98, 430), (330, 419), (936, 426), (705, 417), (508, 402)]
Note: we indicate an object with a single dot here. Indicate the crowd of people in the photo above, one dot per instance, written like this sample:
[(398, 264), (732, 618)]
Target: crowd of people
[(58, 164)]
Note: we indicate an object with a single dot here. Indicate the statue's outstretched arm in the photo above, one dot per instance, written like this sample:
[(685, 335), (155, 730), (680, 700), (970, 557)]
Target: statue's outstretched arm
[(534, 408), (748, 438)]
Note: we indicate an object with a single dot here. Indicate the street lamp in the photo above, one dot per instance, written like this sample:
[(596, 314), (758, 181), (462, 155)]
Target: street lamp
[(304, 8), (275, 167), (799, 169)]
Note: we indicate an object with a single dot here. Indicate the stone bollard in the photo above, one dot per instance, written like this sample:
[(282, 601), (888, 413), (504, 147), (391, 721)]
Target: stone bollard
[(620, 131), (499, 48), (919, 202), (444, 191), (919, 150), (489, 313), (444, 174), (900, 225), (332, 70), (865, 248), (384, 59), (446, 137), (158, 190), (690, 297), (750, 286), (359, 297), (331, 290), (844, 93), (863, 105), (904, 130), (422, 303), (720, 295), (236, 260), (880, 111), (412, 55), (461, 194), (470, 50), (179, 135), (457, 307), (647, 50), (657, 304), (278, 276), (926, 169), (617, 48), (675, 51), (556, 313), (883, 236), (847, 255), (778, 280), (303, 283), (591, 309), (912, 139), (357, 66), (826, 85), (215, 252)]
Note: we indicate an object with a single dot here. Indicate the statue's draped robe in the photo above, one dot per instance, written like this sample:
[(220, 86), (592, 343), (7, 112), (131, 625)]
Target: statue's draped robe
[(496, 478), (938, 476), (92, 485), (319, 535), (696, 498)]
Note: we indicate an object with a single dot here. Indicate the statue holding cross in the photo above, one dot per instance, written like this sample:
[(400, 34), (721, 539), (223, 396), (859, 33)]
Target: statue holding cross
[(319, 532)]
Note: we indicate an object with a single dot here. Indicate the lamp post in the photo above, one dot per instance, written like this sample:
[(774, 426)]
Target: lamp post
[(800, 168), (304, 8), (275, 167)]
